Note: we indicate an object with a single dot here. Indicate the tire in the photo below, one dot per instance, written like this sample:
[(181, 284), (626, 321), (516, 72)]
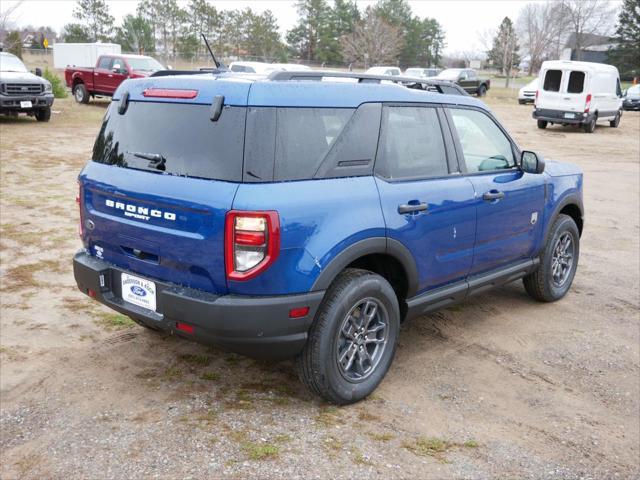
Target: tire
[(43, 114), (522, 102), (482, 91), (616, 121), (332, 337), (541, 284), (590, 127), (80, 93), (542, 124)]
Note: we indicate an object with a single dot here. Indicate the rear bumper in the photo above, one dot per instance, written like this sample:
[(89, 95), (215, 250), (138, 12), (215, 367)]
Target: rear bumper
[(258, 327), (558, 116), (631, 105), (12, 102)]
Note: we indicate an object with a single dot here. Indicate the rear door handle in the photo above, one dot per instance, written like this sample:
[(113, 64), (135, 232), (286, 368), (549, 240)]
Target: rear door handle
[(411, 208), (493, 195)]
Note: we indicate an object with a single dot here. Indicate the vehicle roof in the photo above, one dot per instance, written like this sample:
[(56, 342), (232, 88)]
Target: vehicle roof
[(382, 67), (575, 64), (258, 90), (7, 54)]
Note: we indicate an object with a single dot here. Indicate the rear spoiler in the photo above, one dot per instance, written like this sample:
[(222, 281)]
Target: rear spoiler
[(169, 73)]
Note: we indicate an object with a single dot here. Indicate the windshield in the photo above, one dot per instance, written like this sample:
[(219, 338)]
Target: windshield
[(450, 74), (146, 64), (414, 71), (635, 90), (9, 63)]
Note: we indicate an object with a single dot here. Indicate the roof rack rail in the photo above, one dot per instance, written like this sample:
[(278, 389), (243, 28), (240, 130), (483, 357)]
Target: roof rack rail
[(169, 73), (431, 85)]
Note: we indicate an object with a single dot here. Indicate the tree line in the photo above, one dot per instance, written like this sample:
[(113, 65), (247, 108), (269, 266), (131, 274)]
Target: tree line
[(325, 33)]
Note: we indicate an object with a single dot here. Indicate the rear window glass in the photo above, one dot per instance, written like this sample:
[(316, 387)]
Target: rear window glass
[(304, 137), (576, 82), (552, 80), (173, 138), (411, 143)]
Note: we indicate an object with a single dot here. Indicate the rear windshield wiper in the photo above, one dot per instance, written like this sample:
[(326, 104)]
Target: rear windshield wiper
[(155, 159)]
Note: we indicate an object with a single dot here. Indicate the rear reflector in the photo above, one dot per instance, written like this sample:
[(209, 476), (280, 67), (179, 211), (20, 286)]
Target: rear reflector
[(587, 104), (91, 293), (298, 312), (169, 93), (184, 327)]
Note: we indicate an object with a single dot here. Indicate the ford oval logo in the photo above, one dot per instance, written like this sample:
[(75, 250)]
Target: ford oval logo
[(139, 291)]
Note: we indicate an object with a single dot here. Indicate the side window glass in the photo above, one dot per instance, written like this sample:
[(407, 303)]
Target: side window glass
[(618, 89), (411, 144), (105, 63), (552, 80), (484, 146), (576, 82)]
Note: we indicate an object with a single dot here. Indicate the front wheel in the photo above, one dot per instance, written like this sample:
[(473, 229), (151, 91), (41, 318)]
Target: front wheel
[(558, 262), (43, 114), (482, 91), (542, 124), (353, 339)]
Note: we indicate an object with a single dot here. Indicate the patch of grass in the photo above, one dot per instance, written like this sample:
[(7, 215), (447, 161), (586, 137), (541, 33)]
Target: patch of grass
[(382, 437), (260, 451), (146, 374), (429, 446), (27, 463), (22, 277), (368, 417), (22, 234), (114, 321), (328, 415), (73, 304), (172, 373), (282, 438), (470, 444), (210, 376), (332, 444), (358, 456), (193, 359)]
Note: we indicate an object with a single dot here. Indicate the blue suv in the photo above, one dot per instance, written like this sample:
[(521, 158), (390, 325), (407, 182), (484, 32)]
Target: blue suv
[(299, 215)]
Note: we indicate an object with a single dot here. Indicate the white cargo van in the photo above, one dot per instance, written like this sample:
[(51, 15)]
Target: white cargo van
[(578, 93)]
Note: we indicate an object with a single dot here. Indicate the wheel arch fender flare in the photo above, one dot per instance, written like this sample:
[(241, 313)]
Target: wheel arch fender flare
[(570, 199), (368, 246)]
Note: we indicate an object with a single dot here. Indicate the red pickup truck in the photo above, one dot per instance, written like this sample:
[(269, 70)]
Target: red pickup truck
[(110, 71)]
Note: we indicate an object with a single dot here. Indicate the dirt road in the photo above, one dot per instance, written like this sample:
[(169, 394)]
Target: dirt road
[(498, 386)]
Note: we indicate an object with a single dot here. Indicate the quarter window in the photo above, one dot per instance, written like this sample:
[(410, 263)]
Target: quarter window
[(576, 82), (484, 146), (552, 80), (411, 144)]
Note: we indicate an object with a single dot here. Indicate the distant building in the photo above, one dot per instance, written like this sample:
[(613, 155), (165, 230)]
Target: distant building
[(594, 48)]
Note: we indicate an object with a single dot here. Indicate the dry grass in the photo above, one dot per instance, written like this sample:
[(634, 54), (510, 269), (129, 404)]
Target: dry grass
[(328, 416), (114, 321), (22, 277)]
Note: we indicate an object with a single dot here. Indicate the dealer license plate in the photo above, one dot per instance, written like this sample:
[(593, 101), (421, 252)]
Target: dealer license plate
[(26, 104), (139, 291), (569, 115)]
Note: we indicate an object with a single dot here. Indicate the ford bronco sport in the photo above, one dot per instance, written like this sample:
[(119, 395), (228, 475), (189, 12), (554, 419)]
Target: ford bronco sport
[(290, 216)]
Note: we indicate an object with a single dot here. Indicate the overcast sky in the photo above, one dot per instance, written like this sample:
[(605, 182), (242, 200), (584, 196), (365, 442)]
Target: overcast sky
[(462, 20)]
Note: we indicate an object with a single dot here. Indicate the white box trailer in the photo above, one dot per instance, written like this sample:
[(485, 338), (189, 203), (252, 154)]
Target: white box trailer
[(82, 54)]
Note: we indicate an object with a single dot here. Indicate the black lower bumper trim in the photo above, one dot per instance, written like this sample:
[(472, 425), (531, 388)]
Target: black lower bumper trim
[(258, 327), (558, 116)]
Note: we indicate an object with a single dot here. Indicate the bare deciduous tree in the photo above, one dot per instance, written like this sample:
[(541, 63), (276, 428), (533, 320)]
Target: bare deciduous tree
[(372, 40), (541, 27), (6, 16)]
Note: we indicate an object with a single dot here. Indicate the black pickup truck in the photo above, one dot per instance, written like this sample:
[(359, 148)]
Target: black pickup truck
[(468, 79), (22, 91)]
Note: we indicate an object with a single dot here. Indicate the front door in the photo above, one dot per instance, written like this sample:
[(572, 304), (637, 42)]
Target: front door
[(509, 202), (101, 74), (427, 205)]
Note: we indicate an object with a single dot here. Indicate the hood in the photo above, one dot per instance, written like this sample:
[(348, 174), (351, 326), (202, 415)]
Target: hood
[(555, 168), (21, 77)]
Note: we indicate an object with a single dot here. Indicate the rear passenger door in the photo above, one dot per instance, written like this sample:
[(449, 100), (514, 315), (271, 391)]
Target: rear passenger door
[(509, 202), (427, 205)]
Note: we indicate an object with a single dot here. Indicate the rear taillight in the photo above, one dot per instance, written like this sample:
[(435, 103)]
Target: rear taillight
[(535, 102), (78, 201), (587, 104), (252, 243)]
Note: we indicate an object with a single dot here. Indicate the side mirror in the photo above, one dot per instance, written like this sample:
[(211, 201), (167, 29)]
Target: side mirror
[(530, 162), (169, 67), (38, 71), (117, 68)]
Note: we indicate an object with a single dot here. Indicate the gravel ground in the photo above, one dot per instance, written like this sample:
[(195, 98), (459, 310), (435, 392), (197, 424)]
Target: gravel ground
[(499, 386)]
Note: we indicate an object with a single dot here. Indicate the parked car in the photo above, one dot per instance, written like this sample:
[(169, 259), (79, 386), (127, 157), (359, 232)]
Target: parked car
[(468, 79), (384, 71), (632, 98), (252, 67), (23, 92), (578, 93), (422, 72), (110, 71), (527, 94), (290, 67), (213, 221)]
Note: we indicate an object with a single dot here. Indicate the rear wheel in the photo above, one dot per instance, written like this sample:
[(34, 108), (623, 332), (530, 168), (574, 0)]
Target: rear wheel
[(542, 124), (353, 338), (43, 114), (80, 93), (482, 91), (558, 262), (590, 127), (616, 121)]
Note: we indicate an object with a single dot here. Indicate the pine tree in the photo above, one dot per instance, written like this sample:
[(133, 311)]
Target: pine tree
[(136, 35), (626, 55), (504, 52), (94, 17)]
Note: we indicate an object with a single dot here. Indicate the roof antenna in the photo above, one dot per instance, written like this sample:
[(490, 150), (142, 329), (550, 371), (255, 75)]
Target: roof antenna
[(215, 62)]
